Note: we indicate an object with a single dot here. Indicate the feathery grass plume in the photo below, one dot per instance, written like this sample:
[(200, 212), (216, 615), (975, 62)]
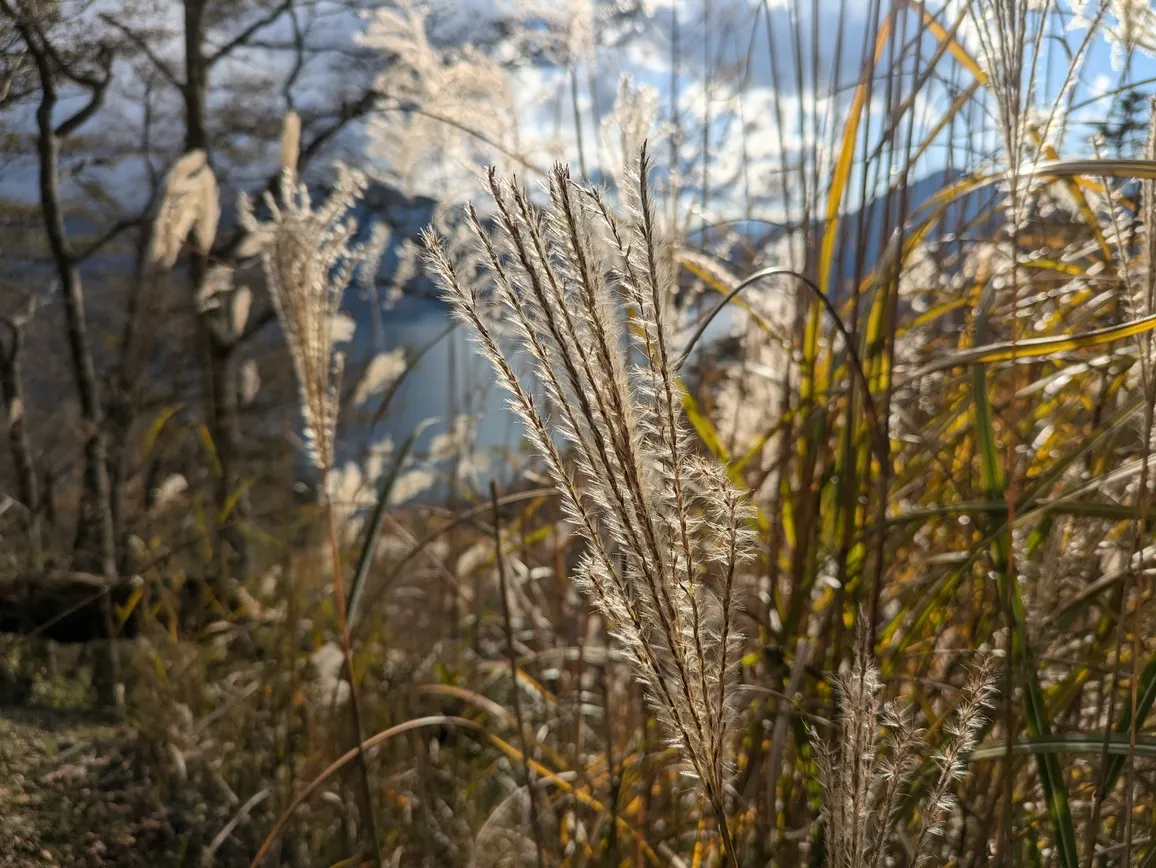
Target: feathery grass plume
[(452, 442), (627, 125), (383, 371), (962, 731), (563, 30), (239, 310), (875, 757), (375, 247), (216, 287), (442, 103), (170, 489), (1130, 27), (309, 258), (190, 205), (588, 295), (1002, 31), (1148, 217), (249, 382)]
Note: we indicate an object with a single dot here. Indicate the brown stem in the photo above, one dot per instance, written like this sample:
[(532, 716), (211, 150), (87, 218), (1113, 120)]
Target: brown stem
[(720, 816), (354, 700), (513, 655), (217, 349)]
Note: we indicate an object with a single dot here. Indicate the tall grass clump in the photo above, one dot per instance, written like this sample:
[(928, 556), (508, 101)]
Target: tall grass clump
[(309, 257), (868, 768), (589, 295)]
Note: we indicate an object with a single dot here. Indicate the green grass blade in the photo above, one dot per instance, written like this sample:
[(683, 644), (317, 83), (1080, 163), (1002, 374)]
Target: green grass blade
[(366, 557), (1067, 742), (1035, 707)]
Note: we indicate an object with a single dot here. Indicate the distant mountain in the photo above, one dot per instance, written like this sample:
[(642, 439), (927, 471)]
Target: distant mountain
[(874, 224)]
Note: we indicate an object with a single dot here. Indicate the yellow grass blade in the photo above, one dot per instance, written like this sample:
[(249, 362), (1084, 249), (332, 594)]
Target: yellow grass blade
[(843, 165), (1030, 348)]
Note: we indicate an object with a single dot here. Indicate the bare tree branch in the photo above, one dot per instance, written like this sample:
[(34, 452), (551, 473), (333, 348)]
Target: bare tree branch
[(245, 35), (112, 233), (89, 80), (98, 88), (139, 41)]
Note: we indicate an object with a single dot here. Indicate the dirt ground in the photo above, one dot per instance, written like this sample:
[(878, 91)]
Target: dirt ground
[(73, 792)]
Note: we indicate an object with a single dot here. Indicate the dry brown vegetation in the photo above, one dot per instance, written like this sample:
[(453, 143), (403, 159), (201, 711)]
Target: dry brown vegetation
[(823, 537)]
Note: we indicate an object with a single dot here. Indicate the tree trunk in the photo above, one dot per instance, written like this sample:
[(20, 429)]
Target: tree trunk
[(196, 77), (95, 549), (27, 483), (121, 404), (217, 349)]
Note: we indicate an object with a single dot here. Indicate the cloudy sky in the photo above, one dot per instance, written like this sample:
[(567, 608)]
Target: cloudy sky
[(749, 80), (753, 82)]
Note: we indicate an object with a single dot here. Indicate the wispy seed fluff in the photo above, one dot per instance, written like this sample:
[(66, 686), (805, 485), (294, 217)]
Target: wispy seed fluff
[(867, 769), (190, 206), (587, 295), (309, 258)]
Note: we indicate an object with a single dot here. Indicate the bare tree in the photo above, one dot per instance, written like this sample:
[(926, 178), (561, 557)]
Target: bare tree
[(95, 548), (207, 24)]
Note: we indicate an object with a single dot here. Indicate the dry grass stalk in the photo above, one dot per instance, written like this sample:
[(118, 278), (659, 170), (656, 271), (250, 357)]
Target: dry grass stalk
[(587, 293), (875, 758), (309, 258), (511, 651)]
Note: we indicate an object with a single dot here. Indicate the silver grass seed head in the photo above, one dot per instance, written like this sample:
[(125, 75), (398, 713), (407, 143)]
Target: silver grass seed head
[(665, 535), (190, 206), (309, 258), (290, 141)]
